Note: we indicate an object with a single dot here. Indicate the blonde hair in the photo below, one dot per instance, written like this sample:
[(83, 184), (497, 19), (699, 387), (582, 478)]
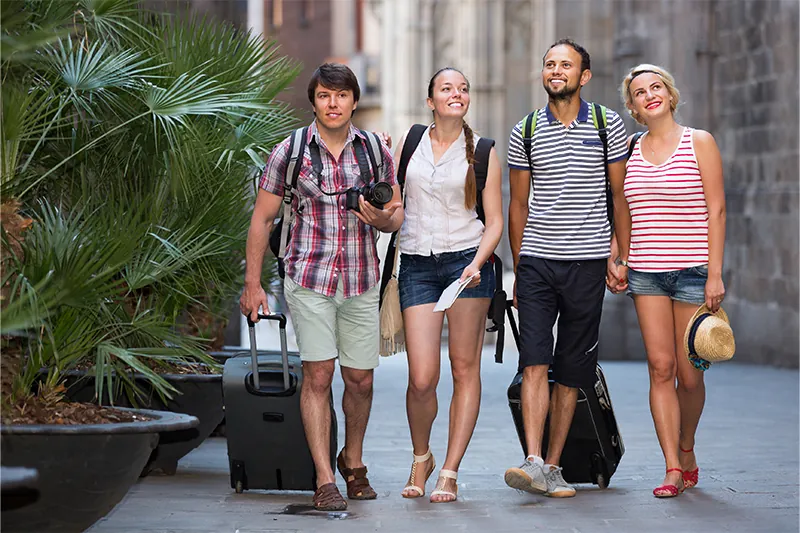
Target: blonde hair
[(666, 77)]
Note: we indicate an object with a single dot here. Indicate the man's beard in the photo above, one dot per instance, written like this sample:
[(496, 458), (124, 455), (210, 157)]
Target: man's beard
[(565, 93)]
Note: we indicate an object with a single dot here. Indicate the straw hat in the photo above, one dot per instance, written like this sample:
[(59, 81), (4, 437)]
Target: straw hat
[(708, 338)]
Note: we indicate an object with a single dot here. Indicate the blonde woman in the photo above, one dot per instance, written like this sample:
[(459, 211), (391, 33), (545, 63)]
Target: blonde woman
[(670, 226)]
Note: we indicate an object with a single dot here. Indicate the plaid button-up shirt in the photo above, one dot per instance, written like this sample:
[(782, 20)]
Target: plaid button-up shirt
[(326, 240)]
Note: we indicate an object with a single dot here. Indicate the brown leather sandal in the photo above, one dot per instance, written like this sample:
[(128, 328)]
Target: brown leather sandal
[(358, 487), (328, 498)]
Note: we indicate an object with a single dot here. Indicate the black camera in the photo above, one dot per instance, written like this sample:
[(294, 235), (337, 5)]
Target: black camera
[(378, 194)]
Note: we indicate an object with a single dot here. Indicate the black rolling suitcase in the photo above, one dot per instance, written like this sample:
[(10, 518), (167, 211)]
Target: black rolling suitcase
[(594, 446), (267, 446)]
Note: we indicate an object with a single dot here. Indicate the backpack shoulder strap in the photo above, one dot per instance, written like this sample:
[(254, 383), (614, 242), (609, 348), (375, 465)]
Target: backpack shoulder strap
[(374, 152), (409, 146), (361, 158), (297, 145), (599, 118), (528, 127), (481, 167), (297, 148), (632, 144)]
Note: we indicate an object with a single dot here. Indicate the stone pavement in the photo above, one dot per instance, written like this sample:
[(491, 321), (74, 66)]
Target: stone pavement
[(747, 450)]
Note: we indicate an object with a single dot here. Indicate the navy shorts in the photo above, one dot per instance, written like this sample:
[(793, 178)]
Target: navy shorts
[(423, 278), (571, 291), (687, 285)]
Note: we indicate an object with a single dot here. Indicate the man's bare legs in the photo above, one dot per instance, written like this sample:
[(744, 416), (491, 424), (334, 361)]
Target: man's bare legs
[(315, 410)]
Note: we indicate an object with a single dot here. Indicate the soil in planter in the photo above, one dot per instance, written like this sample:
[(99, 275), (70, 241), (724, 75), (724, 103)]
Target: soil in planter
[(37, 410), (166, 367)]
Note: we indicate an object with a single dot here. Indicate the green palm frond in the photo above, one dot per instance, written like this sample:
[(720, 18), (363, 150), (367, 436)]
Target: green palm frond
[(26, 30), (132, 141), (114, 20)]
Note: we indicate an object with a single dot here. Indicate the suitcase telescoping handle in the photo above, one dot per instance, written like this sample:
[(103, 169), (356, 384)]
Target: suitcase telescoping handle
[(251, 326)]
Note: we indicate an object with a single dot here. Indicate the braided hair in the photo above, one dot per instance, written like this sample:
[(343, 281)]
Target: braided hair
[(470, 185)]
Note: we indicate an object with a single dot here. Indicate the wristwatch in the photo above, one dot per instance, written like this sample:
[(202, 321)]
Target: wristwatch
[(622, 262)]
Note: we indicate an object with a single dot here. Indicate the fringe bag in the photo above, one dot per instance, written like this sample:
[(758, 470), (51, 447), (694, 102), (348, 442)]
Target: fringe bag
[(393, 338)]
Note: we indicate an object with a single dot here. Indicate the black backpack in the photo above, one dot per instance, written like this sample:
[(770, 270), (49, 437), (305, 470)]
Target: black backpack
[(482, 151), (279, 237)]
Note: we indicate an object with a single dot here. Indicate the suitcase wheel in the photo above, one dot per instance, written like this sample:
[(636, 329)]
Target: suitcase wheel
[(239, 487), (600, 471)]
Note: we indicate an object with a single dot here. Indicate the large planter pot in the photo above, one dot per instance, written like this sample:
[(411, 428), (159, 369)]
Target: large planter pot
[(84, 470), (19, 487), (199, 395)]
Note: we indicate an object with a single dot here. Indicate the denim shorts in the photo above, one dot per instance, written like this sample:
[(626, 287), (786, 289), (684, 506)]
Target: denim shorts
[(423, 278), (685, 285)]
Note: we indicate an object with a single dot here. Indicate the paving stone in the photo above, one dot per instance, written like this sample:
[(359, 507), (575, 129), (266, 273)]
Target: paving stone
[(747, 449)]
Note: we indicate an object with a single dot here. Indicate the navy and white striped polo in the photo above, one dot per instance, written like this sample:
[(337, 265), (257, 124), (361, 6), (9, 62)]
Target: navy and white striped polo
[(567, 215)]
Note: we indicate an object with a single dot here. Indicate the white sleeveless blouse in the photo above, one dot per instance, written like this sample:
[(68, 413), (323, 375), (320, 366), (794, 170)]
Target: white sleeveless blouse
[(436, 220)]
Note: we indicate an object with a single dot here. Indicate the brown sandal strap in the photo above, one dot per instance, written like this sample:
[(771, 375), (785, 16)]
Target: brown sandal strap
[(328, 498), (358, 486)]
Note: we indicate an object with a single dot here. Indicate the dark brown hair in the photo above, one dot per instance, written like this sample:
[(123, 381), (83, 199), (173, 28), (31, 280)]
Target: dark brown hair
[(334, 76), (586, 60), (470, 185)]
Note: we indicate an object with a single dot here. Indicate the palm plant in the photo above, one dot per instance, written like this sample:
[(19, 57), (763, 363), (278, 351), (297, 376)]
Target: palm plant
[(131, 141)]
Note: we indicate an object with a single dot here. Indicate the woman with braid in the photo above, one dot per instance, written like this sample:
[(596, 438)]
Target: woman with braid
[(442, 240)]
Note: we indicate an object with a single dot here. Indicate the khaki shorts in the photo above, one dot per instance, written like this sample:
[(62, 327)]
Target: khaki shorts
[(330, 327)]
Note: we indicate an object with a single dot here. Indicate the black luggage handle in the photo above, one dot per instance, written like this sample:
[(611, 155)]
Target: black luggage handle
[(284, 352)]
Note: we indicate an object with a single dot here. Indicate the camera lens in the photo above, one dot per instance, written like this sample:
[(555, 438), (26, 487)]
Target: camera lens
[(382, 193)]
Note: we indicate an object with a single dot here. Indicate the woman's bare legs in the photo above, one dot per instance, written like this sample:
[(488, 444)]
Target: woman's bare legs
[(691, 387), (423, 330), (466, 321), (658, 331)]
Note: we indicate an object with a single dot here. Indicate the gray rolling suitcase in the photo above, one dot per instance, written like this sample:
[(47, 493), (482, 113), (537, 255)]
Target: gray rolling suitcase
[(267, 446)]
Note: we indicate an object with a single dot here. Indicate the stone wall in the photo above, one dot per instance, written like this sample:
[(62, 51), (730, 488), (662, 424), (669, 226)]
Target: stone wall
[(756, 126)]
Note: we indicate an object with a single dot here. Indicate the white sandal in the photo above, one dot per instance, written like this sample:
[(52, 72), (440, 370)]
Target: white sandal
[(412, 479), (444, 475)]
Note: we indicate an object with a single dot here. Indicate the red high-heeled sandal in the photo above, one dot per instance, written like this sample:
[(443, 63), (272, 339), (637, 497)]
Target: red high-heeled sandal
[(669, 491), (690, 477)]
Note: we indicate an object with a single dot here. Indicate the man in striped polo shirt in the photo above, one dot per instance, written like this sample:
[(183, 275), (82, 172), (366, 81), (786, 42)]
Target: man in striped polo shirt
[(560, 239)]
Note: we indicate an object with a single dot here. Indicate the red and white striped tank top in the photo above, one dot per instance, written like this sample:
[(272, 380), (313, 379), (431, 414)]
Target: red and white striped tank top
[(669, 216)]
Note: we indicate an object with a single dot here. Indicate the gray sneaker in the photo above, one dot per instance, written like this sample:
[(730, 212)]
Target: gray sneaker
[(556, 486), (528, 477)]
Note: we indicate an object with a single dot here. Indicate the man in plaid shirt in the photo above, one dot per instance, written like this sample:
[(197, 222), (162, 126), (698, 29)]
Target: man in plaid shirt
[(332, 276)]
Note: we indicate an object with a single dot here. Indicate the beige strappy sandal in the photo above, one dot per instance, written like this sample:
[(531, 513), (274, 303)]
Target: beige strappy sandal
[(444, 475), (415, 490)]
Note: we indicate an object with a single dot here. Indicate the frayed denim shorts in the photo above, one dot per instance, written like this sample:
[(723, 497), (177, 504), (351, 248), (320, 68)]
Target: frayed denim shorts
[(685, 285), (422, 278)]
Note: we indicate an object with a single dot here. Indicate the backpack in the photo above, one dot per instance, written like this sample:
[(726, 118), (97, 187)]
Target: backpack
[(279, 237), (599, 119), (481, 167)]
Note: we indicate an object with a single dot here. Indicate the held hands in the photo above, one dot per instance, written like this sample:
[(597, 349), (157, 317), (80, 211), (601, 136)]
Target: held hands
[(715, 293), (471, 269), (378, 218), (253, 297), (616, 277)]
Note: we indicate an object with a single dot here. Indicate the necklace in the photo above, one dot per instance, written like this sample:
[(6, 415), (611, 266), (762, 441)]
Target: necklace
[(667, 139)]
